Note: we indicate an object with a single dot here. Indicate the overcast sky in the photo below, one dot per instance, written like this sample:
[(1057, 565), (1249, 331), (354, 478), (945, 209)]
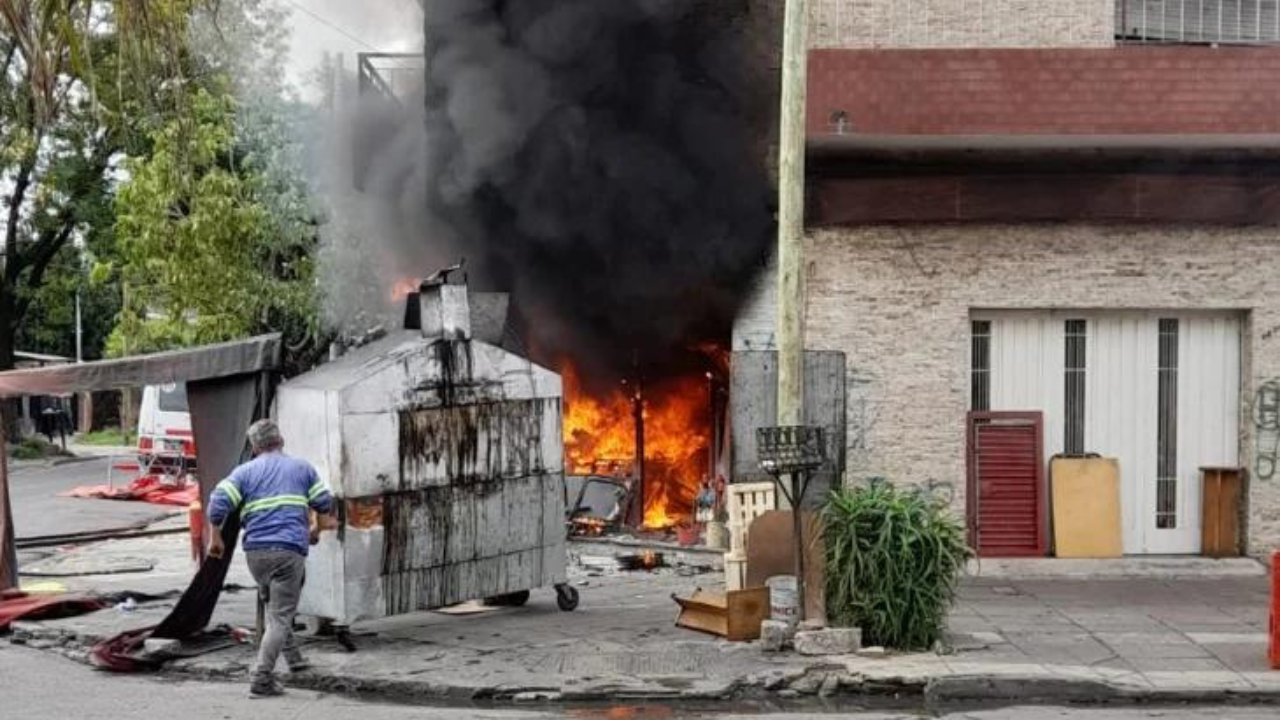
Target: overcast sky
[(349, 27)]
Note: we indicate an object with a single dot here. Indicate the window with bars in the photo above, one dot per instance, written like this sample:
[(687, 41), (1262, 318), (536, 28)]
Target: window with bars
[(1167, 427), (1074, 386), (1226, 22), (980, 366)]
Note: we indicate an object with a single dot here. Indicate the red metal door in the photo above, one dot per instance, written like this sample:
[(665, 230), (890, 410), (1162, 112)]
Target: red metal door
[(1006, 492)]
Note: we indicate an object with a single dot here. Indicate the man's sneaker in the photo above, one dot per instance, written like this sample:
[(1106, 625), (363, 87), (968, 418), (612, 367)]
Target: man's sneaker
[(300, 666), (269, 688)]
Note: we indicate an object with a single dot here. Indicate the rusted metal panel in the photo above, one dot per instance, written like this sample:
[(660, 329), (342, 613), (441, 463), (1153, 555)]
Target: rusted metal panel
[(471, 443)]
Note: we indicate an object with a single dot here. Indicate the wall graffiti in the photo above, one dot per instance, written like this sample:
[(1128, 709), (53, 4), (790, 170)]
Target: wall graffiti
[(1266, 420), (943, 490), (862, 414)]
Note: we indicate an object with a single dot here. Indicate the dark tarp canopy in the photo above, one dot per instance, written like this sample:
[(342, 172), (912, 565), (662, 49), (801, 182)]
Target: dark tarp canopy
[(228, 386), (239, 357)]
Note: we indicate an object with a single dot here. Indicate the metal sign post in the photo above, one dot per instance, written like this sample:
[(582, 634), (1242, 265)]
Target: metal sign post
[(794, 451)]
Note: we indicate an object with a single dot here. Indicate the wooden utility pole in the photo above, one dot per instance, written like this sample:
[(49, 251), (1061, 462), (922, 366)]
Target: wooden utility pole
[(791, 213), (8, 551)]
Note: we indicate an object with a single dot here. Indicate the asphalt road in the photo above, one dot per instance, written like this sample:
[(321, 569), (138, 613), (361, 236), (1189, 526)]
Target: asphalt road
[(35, 684), (37, 509)]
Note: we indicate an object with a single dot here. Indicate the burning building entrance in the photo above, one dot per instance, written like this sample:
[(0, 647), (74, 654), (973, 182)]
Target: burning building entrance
[(660, 438)]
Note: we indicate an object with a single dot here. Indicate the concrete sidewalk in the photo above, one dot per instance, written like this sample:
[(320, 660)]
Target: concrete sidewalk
[(1040, 639), (122, 452)]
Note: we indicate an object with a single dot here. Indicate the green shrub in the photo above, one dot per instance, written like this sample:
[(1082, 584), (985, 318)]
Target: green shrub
[(107, 436), (894, 558), (34, 448), (23, 451)]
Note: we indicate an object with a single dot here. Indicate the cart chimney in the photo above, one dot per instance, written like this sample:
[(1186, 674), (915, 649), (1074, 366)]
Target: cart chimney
[(445, 311)]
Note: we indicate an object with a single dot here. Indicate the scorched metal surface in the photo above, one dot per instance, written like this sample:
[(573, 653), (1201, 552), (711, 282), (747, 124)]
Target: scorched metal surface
[(446, 455)]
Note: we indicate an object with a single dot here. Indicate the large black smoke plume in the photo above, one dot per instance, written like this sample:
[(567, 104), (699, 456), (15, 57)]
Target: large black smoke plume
[(602, 160)]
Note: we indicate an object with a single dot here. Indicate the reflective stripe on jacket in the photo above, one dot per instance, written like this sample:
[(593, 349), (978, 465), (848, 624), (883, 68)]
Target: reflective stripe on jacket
[(273, 493)]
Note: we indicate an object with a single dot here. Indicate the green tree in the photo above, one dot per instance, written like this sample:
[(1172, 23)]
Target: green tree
[(57, 144), (211, 246), (217, 226), (80, 82)]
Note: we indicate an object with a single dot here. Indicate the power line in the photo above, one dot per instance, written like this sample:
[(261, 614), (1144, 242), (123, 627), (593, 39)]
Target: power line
[(330, 24)]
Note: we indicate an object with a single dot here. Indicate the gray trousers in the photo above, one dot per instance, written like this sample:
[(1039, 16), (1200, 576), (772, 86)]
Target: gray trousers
[(279, 575)]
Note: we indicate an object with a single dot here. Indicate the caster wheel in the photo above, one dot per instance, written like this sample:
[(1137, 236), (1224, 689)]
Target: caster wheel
[(566, 598), (343, 635), (515, 599), (319, 627)]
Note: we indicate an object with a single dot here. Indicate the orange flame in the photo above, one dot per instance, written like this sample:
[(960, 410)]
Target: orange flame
[(403, 287), (599, 437)]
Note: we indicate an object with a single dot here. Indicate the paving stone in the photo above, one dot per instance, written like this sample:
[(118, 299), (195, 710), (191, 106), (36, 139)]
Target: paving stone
[(875, 651), (1188, 665), (1212, 638), (832, 641), (830, 686), (775, 635)]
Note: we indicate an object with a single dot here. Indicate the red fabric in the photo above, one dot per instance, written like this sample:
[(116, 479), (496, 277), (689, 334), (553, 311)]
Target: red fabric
[(1273, 649), (120, 653), (17, 605), (148, 488)]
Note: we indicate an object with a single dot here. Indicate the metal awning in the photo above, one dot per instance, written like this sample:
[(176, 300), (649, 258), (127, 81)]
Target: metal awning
[(238, 357), (228, 385)]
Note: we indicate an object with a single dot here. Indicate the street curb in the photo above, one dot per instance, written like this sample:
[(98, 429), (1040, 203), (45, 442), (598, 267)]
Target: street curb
[(828, 680), (54, 461), (75, 459), (959, 689)]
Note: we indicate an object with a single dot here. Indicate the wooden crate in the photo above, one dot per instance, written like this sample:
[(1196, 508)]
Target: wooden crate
[(735, 615), (748, 501), (735, 571)]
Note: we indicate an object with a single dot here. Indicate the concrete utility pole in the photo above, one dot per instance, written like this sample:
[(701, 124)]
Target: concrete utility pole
[(791, 213)]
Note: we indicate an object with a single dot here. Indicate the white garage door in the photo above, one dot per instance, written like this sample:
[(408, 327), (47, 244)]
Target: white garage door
[(1160, 391)]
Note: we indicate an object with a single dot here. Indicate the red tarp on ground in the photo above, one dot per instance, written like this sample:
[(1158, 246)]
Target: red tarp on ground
[(148, 488), (17, 605)]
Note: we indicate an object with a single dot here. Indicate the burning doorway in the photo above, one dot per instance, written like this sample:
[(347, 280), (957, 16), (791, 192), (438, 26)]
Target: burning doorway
[(660, 437)]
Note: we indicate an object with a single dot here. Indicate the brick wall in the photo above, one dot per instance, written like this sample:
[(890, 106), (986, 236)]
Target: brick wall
[(962, 23), (897, 301), (1172, 89)]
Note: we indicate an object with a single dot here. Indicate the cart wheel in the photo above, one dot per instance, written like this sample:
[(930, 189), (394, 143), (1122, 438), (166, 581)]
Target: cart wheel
[(566, 598), (515, 599), (343, 636)]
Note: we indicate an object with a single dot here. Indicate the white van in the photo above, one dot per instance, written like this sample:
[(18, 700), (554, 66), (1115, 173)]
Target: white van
[(165, 439)]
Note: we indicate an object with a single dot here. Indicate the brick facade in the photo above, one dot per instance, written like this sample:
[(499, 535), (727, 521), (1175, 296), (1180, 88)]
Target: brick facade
[(962, 23), (1124, 90), (897, 300)]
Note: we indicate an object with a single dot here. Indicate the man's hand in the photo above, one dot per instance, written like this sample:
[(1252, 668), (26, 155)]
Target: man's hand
[(216, 548), (320, 523)]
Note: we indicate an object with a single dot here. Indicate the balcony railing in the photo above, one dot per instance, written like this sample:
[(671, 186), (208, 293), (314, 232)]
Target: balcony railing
[(1220, 22)]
